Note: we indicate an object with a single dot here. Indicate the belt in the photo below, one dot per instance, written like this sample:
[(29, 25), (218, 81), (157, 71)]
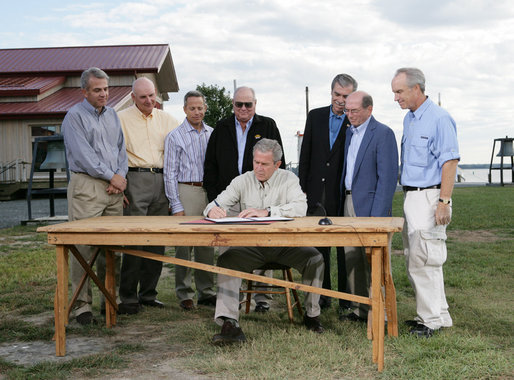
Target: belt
[(347, 192), (151, 170), (409, 188), (197, 184)]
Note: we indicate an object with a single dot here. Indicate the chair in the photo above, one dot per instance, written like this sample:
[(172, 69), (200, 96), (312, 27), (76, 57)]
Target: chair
[(252, 288)]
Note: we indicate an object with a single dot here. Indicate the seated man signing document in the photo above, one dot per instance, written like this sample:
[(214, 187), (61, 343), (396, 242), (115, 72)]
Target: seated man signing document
[(265, 191)]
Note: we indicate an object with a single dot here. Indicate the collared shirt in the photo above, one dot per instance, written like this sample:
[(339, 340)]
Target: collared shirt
[(184, 155), (282, 193), (144, 136), (241, 142), (94, 141), (353, 150), (429, 140), (334, 124)]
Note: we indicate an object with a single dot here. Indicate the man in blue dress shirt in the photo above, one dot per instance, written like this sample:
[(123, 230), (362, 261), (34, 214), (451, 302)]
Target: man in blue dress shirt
[(96, 155), (429, 157)]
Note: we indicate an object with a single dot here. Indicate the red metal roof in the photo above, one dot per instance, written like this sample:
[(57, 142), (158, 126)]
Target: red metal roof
[(28, 86), (57, 104), (148, 58)]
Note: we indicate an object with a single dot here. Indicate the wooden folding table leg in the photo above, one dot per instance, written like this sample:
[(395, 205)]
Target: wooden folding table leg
[(390, 294), (110, 285), (61, 300), (377, 307)]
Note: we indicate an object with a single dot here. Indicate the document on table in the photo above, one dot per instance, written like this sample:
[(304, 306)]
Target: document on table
[(249, 220)]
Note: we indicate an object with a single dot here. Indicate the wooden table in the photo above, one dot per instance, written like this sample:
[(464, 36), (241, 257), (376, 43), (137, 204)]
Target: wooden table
[(112, 233)]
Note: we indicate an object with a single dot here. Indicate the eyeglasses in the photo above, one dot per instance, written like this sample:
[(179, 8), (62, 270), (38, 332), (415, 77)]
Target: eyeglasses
[(241, 104), (354, 111)]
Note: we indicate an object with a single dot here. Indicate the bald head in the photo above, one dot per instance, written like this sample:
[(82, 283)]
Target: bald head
[(143, 95), (359, 106)]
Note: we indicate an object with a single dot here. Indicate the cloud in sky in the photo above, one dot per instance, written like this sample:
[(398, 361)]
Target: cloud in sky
[(465, 48)]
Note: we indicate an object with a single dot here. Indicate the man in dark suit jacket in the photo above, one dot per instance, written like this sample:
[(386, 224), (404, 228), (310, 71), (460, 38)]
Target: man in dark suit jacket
[(235, 134), (230, 153), (321, 165), (369, 181)]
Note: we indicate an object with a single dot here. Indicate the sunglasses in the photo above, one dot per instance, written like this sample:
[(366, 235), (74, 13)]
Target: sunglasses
[(241, 104)]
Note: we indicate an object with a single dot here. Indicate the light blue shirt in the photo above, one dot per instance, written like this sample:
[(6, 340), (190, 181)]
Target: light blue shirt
[(184, 156), (429, 140), (241, 142), (94, 141), (334, 125), (353, 150)]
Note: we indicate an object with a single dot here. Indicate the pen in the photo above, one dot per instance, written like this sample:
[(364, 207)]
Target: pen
[(216, 203)]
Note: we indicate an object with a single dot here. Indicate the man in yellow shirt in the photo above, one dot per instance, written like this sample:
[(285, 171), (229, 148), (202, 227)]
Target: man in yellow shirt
[(145, 128)]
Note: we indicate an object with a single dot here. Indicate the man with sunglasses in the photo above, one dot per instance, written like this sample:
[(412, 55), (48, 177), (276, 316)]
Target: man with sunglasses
[(230, 151)]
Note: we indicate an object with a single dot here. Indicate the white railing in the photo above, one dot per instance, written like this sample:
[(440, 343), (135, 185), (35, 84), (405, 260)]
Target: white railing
[(14, 171)]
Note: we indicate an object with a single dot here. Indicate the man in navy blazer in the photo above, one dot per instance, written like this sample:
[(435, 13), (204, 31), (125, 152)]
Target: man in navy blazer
[(368, 183), (321, 166)]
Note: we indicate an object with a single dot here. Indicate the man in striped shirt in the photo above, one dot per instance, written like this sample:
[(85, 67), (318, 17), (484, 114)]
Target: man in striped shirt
[(184, 156)]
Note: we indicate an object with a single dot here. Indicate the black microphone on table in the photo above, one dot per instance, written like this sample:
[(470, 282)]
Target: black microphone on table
[(324, 221)]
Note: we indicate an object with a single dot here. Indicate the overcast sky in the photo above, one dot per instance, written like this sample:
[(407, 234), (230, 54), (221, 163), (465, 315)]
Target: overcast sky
[(278, 47)]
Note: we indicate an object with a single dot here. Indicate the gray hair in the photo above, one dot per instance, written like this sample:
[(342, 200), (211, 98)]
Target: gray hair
[(414, 76), (244, 87), (367, 101), (194, 94), (269, 145), (344, 80), (92, 71)]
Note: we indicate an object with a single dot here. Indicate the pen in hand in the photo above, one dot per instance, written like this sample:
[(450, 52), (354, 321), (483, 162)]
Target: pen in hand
[(218, 213)]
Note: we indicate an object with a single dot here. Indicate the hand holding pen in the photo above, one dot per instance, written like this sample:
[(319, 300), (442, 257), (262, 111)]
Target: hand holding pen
[(217, 211)]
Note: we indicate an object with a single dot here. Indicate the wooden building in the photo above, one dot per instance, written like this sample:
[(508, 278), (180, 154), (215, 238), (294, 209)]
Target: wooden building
[(39, 85)]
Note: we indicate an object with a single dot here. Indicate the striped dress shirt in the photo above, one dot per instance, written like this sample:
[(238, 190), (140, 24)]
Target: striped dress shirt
[(184, 156)]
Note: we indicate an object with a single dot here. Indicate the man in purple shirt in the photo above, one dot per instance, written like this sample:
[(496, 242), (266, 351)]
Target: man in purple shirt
[(184, 156)]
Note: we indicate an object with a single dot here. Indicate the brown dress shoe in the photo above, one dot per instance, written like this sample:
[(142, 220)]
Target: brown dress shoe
[(187, 305)]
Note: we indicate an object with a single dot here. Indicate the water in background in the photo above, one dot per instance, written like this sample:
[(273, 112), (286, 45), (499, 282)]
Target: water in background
[(481, 175)]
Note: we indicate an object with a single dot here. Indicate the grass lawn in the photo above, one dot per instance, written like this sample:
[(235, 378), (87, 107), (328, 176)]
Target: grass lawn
[(478, 277)]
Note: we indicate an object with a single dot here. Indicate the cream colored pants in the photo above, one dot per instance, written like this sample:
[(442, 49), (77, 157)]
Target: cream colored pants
[(425, 253)]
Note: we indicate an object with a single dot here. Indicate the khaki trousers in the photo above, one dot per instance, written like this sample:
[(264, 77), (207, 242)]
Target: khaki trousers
[(194, 201), (307, 260), (87, 198), (357, 268)]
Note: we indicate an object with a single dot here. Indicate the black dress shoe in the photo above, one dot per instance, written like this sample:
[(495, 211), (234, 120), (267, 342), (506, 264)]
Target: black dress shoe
[(128, 308), (85, 318), (229, 334), (261, 307), (208, 301), (422, 331), (352, 317), (313, 324), (152, 303), (411, 322)]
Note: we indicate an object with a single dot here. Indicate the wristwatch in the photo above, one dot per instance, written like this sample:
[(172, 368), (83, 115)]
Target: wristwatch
[(445, 201), (268, 209)]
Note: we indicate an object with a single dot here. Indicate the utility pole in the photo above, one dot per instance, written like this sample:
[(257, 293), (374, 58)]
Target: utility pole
[(306, 101)]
